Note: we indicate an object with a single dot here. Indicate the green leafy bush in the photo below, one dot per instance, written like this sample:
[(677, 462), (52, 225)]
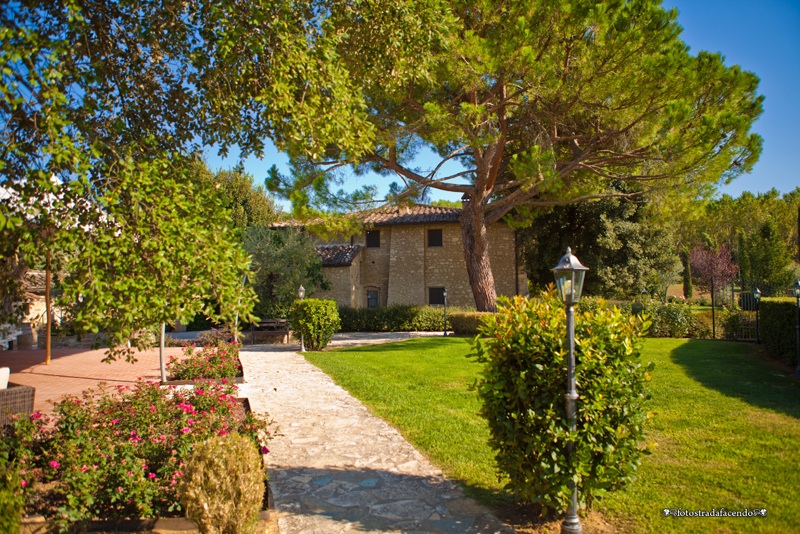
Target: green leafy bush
[(732, 320), (671, 320), (216, 361), (11, 500), (316, 320), (466, 323), (523, 383), (223, 485), (777, 325), (120, 452)]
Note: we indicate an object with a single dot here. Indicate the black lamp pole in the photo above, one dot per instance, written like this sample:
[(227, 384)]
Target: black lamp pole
[(444, 292), (757, 297), (302, 294), (569, 274)]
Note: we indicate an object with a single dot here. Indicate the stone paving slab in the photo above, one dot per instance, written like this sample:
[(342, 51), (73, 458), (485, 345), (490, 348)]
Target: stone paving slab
[(336, 468)]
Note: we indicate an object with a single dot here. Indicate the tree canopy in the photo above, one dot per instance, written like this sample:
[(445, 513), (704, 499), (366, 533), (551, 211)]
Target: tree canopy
[(627, 250), (546, 103), (112, 97)]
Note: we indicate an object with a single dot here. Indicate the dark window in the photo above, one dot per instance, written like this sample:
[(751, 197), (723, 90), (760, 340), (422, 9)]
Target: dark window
[(372, 298), (373, 238), (435, 295), (435, 238)]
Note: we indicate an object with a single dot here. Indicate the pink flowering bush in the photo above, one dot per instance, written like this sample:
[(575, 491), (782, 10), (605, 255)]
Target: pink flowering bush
[(220, 360), (120, 454)]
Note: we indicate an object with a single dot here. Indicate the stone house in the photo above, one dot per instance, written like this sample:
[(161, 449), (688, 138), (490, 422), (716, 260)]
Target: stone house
[(410, 255)]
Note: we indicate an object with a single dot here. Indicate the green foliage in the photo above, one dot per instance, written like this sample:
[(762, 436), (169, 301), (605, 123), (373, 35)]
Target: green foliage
[(674, 320), (159, 249), (282, 260), (112, 455), (732, 320), (247, 204), (626, 250), (397, 318), (106, 98), (466, 323), (523, 349), (223, 486), (725, 218), (211, 361), (688, 288), (316, 320), (778, 328), (765, 261), (490, 90), (11, 499)]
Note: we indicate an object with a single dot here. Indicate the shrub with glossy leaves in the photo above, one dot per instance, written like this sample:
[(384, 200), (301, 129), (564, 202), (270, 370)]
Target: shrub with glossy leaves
[(523, 384), (223, 485), (316, 320)]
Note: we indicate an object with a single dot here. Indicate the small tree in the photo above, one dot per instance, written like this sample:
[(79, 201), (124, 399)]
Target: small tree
[(688, 288), (713, 269), (282, 261)]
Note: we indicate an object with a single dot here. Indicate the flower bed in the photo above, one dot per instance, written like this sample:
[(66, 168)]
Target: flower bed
[(119, 454), (218, 361)]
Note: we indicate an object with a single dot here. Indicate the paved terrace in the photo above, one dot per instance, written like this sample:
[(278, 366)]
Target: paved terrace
[(333, 466)]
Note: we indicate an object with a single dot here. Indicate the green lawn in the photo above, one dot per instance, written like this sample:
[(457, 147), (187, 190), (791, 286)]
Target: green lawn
[(727, 426)]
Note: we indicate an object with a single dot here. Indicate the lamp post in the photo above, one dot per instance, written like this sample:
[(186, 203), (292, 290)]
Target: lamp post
[(302, 294), (757, 298), (796, 293), (569, 275), (444, 292)]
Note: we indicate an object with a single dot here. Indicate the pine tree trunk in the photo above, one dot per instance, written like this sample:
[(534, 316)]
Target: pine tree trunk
[(476, 255)]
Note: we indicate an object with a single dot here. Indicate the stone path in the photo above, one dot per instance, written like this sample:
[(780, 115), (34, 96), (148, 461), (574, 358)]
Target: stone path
[(336, 468)]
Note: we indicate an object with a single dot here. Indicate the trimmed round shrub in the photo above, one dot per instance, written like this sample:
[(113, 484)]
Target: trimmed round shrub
[(223, 487), (316, 320), (523, 385)]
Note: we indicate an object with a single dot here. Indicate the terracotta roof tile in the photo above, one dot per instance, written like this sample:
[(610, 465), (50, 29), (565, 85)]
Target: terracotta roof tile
[(420, 214), (338, 255), (391, 215)]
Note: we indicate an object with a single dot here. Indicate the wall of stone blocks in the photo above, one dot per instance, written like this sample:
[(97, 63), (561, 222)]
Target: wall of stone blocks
[(374, 268), (404, 267), (344, 286)]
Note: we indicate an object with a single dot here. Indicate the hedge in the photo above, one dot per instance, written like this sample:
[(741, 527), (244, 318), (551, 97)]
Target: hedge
[(398, 318), (466, 323), (778, 328)]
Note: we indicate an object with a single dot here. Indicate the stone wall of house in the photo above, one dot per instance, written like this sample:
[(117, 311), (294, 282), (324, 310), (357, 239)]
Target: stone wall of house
[(405, 267), (374, 268), (445, 267), (343, 288)]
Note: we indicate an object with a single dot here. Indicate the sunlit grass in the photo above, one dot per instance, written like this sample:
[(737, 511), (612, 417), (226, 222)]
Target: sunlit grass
[(726, 425)]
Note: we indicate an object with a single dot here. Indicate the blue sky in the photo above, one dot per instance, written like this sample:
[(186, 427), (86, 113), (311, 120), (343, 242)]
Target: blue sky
[(762, 37)]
